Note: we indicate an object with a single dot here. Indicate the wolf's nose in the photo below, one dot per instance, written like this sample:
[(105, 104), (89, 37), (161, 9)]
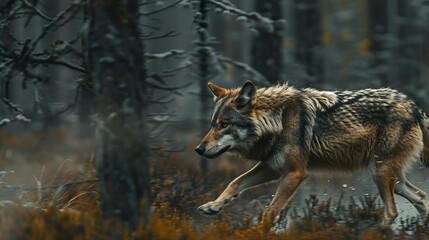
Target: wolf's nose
[(200, 150)]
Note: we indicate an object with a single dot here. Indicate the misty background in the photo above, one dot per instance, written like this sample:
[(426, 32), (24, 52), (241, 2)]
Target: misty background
[(327, 44)]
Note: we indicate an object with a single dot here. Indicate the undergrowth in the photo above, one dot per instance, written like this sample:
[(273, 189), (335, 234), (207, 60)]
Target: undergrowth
[(75, 214), (65, 205)]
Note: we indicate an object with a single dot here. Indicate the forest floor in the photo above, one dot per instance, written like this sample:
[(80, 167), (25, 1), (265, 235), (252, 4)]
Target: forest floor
[(48, 190)]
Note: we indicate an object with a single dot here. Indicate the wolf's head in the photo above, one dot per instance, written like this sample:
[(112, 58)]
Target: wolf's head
[(231, 127)]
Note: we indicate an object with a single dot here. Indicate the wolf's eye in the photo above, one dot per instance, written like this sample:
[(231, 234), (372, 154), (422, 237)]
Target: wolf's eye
[(224, 125)]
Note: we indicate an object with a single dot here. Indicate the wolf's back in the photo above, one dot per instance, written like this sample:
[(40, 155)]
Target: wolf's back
[(381, 116), (377, 99)]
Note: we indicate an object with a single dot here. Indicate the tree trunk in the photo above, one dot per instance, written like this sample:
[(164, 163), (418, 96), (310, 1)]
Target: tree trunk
[(85, 101), (267, 46), (117, 69), (6, 39), (378, 30), (203, 69), (308, 34)]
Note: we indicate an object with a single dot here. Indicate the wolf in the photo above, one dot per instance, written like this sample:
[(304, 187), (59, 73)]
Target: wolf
[(291, 133)]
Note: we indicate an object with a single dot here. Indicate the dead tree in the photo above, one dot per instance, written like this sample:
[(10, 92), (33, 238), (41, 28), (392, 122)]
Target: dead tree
[(378, 17), (307, 16), (203, 55), (118, 73), (267, 45)]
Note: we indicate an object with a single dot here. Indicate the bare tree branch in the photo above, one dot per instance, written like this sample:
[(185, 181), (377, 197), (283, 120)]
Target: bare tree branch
[(61, 62), (37, 11), (25, 59), (170, 88), (169, 73), (167, 34), (245, 67), (262, 21), (13, 107), (161, 9), (55, 23), (18, 117), (164, 55), (16, 110), (4, 7)]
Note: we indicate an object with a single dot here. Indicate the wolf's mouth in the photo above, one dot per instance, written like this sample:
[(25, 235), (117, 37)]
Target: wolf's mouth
[(217, 154)]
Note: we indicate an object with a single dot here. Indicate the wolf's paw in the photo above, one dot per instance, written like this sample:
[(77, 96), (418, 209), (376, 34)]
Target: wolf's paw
[(211, 208)]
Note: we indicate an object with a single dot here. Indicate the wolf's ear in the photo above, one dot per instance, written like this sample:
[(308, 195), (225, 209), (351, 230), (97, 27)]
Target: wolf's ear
[(247, 95), (217, 91)]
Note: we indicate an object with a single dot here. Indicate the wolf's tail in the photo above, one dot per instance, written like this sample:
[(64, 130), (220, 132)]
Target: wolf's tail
[(424, 125)]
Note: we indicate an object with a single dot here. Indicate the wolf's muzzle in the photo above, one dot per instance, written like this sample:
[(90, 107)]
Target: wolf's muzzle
[(210, 153), (200, 150)]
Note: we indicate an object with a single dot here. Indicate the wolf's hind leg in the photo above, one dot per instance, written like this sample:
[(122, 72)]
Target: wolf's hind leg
[(416, 196), (384, 177), (418, 191), (259, 174)]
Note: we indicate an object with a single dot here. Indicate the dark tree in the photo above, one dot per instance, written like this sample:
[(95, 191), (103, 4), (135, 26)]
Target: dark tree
[(267, 45), (307, 36), (118, 73), (378, 22), (409, 50), (203, 55), (85, 101)]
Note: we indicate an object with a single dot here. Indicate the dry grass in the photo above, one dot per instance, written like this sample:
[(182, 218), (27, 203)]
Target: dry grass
[(58, 199)]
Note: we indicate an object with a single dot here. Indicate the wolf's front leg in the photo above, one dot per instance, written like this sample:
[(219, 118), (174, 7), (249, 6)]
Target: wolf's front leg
[(260, 173), (287, 187)]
